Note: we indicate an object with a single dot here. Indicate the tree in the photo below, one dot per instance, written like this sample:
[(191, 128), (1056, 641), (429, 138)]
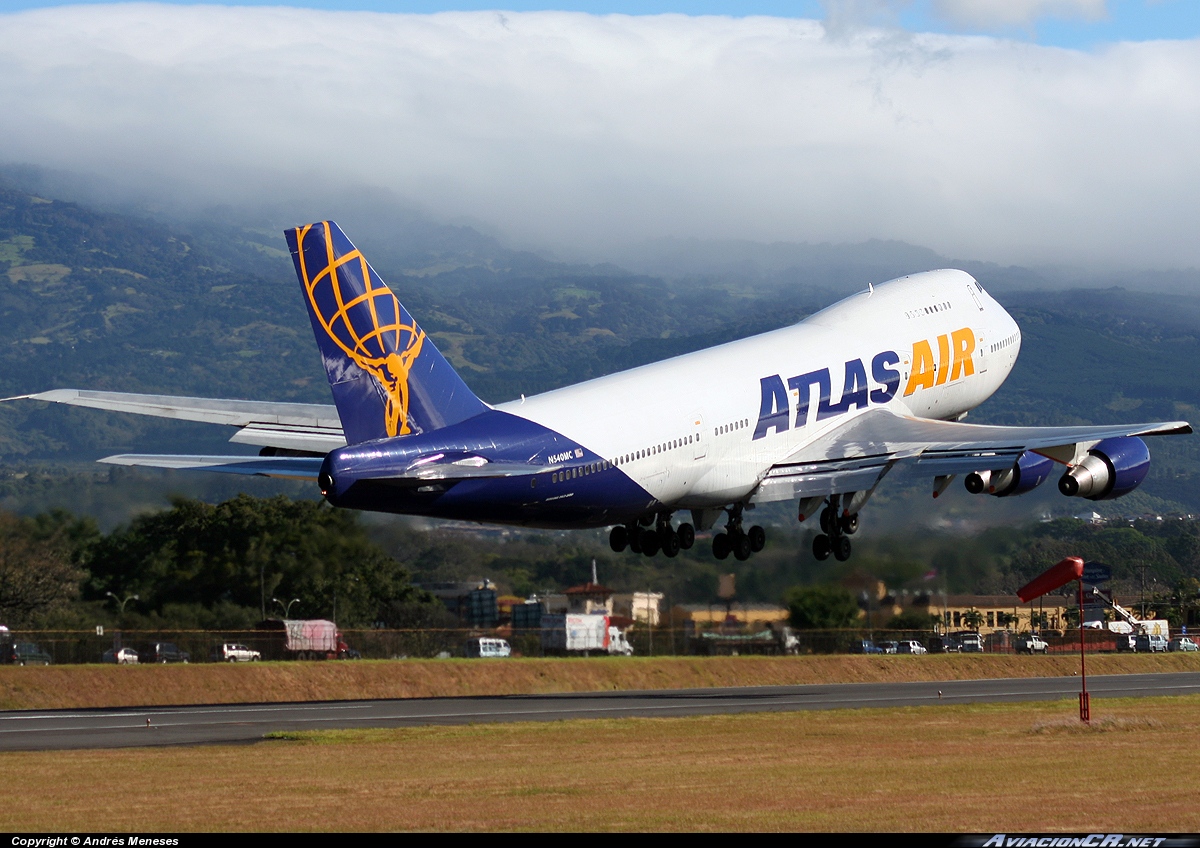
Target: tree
[(973, 619), (37, 576), (236, 553), (821, 607)]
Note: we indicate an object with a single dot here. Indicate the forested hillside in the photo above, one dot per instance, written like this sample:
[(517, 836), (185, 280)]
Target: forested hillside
[(104, 300)]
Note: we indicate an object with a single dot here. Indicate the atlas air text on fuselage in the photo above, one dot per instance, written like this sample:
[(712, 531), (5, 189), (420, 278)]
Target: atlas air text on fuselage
[(954, 362)]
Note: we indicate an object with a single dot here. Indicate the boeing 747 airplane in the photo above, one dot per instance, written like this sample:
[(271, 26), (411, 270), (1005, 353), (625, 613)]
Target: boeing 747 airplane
[(816, 413)]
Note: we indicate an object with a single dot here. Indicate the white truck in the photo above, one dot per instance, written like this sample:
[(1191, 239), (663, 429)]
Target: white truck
[(233, 652), (580, 633), (1031, 643)]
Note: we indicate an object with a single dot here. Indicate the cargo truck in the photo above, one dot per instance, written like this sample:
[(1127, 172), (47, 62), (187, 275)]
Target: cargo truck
[(303, 639), (581, 634)]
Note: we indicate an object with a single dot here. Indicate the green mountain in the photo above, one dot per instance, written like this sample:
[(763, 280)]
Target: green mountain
[(110, 301)]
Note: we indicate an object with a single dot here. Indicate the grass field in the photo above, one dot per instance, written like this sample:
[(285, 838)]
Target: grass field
[(1014, 768), (81, 686)]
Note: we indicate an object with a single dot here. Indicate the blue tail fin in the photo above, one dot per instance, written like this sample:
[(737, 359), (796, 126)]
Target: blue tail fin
[(387, 377)]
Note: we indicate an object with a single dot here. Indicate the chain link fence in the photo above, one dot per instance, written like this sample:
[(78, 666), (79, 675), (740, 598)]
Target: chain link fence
[(65, 647)]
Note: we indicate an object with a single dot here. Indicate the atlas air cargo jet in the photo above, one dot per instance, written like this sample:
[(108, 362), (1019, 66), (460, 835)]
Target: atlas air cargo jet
[(816, 413)]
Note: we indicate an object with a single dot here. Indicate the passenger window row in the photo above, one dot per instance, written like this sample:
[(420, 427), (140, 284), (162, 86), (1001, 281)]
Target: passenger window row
[(1008, 342), (595, 467), (928, 310), (729, 428)]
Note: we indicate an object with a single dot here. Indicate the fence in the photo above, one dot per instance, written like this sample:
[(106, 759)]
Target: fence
[(88, 647)]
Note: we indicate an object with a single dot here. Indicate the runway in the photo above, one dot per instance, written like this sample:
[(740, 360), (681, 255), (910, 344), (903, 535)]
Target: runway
[(242, 723)]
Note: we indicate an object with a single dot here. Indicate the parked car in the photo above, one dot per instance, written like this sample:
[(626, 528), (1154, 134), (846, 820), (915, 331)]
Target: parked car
[(944, 645), (484, 647), (27, 653), (166, 652), (121, 656), (1127, 642), (1152, 644), (864, 646), (888, 647), (1031, 643), (230, 652), (1182, 643), (910, 646)]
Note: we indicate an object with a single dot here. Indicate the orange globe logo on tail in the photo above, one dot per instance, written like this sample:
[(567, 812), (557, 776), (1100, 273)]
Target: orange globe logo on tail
[(366, 322)]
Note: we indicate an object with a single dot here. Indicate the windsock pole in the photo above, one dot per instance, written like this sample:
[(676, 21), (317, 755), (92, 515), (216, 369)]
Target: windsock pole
[(1055, 577), (1085, 713)]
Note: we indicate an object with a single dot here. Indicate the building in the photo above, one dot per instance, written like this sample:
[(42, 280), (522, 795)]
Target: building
[(743, 615), (998, 612), (644, 607)]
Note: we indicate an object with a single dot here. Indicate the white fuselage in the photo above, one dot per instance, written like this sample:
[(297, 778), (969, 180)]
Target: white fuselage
[(703, 429)]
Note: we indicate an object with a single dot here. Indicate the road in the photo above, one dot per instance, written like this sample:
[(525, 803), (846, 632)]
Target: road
[(196, 725)]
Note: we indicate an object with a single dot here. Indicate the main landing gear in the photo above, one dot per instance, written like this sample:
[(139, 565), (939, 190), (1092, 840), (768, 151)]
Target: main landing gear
[(641, 538), (741, 543), (835, 530)]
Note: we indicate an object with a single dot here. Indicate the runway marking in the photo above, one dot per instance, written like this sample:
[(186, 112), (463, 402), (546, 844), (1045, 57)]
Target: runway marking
[(687, 703)]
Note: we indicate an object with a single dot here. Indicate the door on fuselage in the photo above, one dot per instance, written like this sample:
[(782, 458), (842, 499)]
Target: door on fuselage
[(699, 443)]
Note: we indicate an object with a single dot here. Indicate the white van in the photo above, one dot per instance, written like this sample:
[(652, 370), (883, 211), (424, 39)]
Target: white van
[(484, 647)]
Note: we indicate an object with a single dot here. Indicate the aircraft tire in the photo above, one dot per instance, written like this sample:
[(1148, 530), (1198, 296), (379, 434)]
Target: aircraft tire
[(742, 547), (687, 536), (634, 537), (829, 521), (670, 543), (841, 548), (821, 547), (649, 543), (618, 538), (721, 546), (849, 524), (758, 538)]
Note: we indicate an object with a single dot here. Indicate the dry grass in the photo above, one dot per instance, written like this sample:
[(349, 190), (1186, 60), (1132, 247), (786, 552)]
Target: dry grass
[(73, 687), (960, 768)]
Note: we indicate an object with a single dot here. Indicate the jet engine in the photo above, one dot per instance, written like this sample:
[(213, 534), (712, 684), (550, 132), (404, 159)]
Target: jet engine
[(1114, 467), (1028, 472)]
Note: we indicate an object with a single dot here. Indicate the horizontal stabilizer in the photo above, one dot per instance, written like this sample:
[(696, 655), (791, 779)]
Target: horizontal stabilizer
[(453, 470), (292, 467)]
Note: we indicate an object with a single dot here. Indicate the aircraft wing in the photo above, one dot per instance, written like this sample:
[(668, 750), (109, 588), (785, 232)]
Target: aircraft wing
[(306, 427), (853, 457)]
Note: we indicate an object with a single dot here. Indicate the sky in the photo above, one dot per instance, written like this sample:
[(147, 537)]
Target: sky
[(1015, 131)]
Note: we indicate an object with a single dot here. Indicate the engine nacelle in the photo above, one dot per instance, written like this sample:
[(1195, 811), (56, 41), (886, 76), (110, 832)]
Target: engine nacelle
[(1028, 472), (1114, 467), (977, 481)]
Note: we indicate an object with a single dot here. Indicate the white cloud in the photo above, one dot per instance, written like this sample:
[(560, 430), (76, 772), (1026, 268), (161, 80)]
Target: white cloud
[(577, 132), (1009, 13)]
